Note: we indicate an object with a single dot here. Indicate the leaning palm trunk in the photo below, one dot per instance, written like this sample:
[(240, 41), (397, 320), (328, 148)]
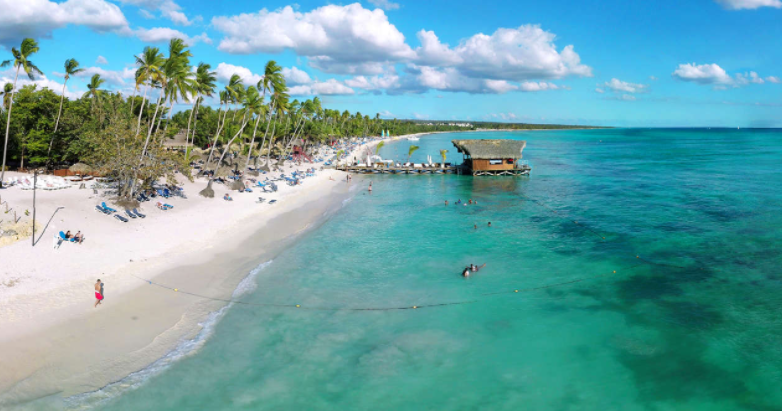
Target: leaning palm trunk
[(170, 115), (269, 150), (149, 132), (195, 124), (260, 150), (252, 142), (217, 135), (187, 135), (8, 126), (141, 110), (299, 127), (132, 99), (56, 123), (206, 191)]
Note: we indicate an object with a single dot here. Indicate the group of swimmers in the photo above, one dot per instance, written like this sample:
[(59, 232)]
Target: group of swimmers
[(469, 202), (472, 268)]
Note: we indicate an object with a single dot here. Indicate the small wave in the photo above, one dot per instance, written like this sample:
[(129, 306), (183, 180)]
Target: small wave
[(184, 349), (346, 201)]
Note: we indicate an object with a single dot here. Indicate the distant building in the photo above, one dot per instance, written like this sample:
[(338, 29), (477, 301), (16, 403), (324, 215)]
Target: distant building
[(492, 157)]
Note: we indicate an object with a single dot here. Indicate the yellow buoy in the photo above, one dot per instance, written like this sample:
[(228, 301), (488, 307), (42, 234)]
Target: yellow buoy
[(415, 306), (516, 291), (614, 271), (298, 306)]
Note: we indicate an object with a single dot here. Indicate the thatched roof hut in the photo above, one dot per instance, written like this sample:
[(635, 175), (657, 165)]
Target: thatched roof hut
[(491, 149)]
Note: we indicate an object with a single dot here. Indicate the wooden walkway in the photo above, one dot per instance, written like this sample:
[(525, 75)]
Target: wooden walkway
[(520, 170)]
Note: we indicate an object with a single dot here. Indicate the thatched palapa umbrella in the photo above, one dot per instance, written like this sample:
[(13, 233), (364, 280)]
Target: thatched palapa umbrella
[(80, 168)]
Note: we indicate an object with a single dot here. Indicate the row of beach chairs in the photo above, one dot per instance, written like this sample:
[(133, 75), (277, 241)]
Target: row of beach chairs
[(133, 214)]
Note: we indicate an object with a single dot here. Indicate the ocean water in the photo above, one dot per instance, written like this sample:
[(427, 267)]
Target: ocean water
[(647, 264)]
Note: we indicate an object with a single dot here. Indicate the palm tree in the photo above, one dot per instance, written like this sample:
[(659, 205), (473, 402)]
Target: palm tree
[(204, 84), (442, 154), (410, 152), (253, 103), (379, 146), (93, 90), (20, 61), (71, 69), (278, 108), (149, 63), (8, 89)]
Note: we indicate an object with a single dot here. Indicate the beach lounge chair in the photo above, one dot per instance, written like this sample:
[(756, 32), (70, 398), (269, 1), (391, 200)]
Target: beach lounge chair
[(131, 215), (102, 209), (168, 205), (107, 207), (136, 212), (272, 202), (121, 218)]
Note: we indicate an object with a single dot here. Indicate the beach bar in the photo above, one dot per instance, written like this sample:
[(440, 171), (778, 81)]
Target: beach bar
[(492, 157)]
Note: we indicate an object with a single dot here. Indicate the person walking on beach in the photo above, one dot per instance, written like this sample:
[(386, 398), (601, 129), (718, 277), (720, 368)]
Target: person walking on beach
[(98, 292)]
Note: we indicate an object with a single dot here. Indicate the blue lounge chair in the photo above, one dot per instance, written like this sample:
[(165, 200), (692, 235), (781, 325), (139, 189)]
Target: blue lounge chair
[(136, 212), (131, 215), (63, 238), (169, 206), (101, 209), (107, 208), (272, 202), (121, 218)]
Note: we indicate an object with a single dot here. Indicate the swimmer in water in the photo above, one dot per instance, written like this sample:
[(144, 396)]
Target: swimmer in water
[(466, 272), (370, 186)]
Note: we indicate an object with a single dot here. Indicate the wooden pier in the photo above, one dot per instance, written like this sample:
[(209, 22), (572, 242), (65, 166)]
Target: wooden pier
[(519, 170)]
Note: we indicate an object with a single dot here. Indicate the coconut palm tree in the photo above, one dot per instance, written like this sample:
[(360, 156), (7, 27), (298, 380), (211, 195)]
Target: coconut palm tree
[(253, 103), (379, 146), (442, 154), (93, 90), (279, 105), (8, 89), (204, 85), (20, 61), (150, 64), (410, 152), (71, 69)]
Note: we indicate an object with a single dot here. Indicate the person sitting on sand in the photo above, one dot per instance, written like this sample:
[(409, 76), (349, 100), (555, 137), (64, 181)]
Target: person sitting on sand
[(98, 293), (79, 237), (68, 235), (227, 197)]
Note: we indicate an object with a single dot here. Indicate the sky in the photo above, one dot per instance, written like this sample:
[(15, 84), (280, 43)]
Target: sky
[(662, 63)]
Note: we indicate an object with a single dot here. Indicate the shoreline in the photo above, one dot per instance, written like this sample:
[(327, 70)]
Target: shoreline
[(55, 345)]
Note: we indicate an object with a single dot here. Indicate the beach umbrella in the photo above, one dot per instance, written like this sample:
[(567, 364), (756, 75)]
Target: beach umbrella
[(80, 168)]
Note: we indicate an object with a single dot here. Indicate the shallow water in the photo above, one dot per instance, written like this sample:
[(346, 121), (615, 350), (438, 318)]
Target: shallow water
[(692, 324)]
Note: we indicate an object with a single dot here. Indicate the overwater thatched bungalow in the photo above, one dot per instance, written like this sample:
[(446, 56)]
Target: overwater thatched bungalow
[(492, 157)]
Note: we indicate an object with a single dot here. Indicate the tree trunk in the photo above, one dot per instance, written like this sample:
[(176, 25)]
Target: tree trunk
[(269, 150), (151, 125), (252, 142), (56, 123), (187, 135), (217, 135), (170, 115), (132, 99), (8, 126), (141, 110), (260, 150)]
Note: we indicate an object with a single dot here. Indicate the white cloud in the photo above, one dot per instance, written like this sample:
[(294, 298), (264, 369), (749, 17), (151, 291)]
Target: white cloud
[(749, 4), (622, 86), (338, 39), (168, 8), (599, 90), (39, 18), (653, 78), (385, 4), (164, 34), (386, 113), (712, 74), (541, 86), (420, 116), (329, 87), (295, 76), (225, 71), (525, 53), (116, 78), (702, 74), (145, 14), (628, 97), (42, 81), (434, 53), (503, 116), (386, 81), (101, 60)]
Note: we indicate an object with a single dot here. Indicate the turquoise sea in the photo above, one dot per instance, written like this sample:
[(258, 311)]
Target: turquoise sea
[(647, 263)]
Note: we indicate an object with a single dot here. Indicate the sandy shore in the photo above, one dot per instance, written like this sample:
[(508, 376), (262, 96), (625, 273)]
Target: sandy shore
[(54, 344)]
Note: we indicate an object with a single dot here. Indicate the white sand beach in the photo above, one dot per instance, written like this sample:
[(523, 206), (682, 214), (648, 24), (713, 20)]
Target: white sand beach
[(55, 343)]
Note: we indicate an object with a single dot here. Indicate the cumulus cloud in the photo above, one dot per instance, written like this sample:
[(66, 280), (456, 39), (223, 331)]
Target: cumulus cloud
[(168, 9), (541, 86), (38, 18), (164, 34), (502, 116), (749, 4), (773, 79), (385, 4), (338, 39), (599, 90), (225, 71), (524, 53), (712, 74), (702, 74), (295, 76), (622, 86), (386, 81), (386, 113), (101, 60), (329, 87)]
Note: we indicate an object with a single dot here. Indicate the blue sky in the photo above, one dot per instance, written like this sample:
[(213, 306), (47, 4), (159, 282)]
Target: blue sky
[(609, 62)]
